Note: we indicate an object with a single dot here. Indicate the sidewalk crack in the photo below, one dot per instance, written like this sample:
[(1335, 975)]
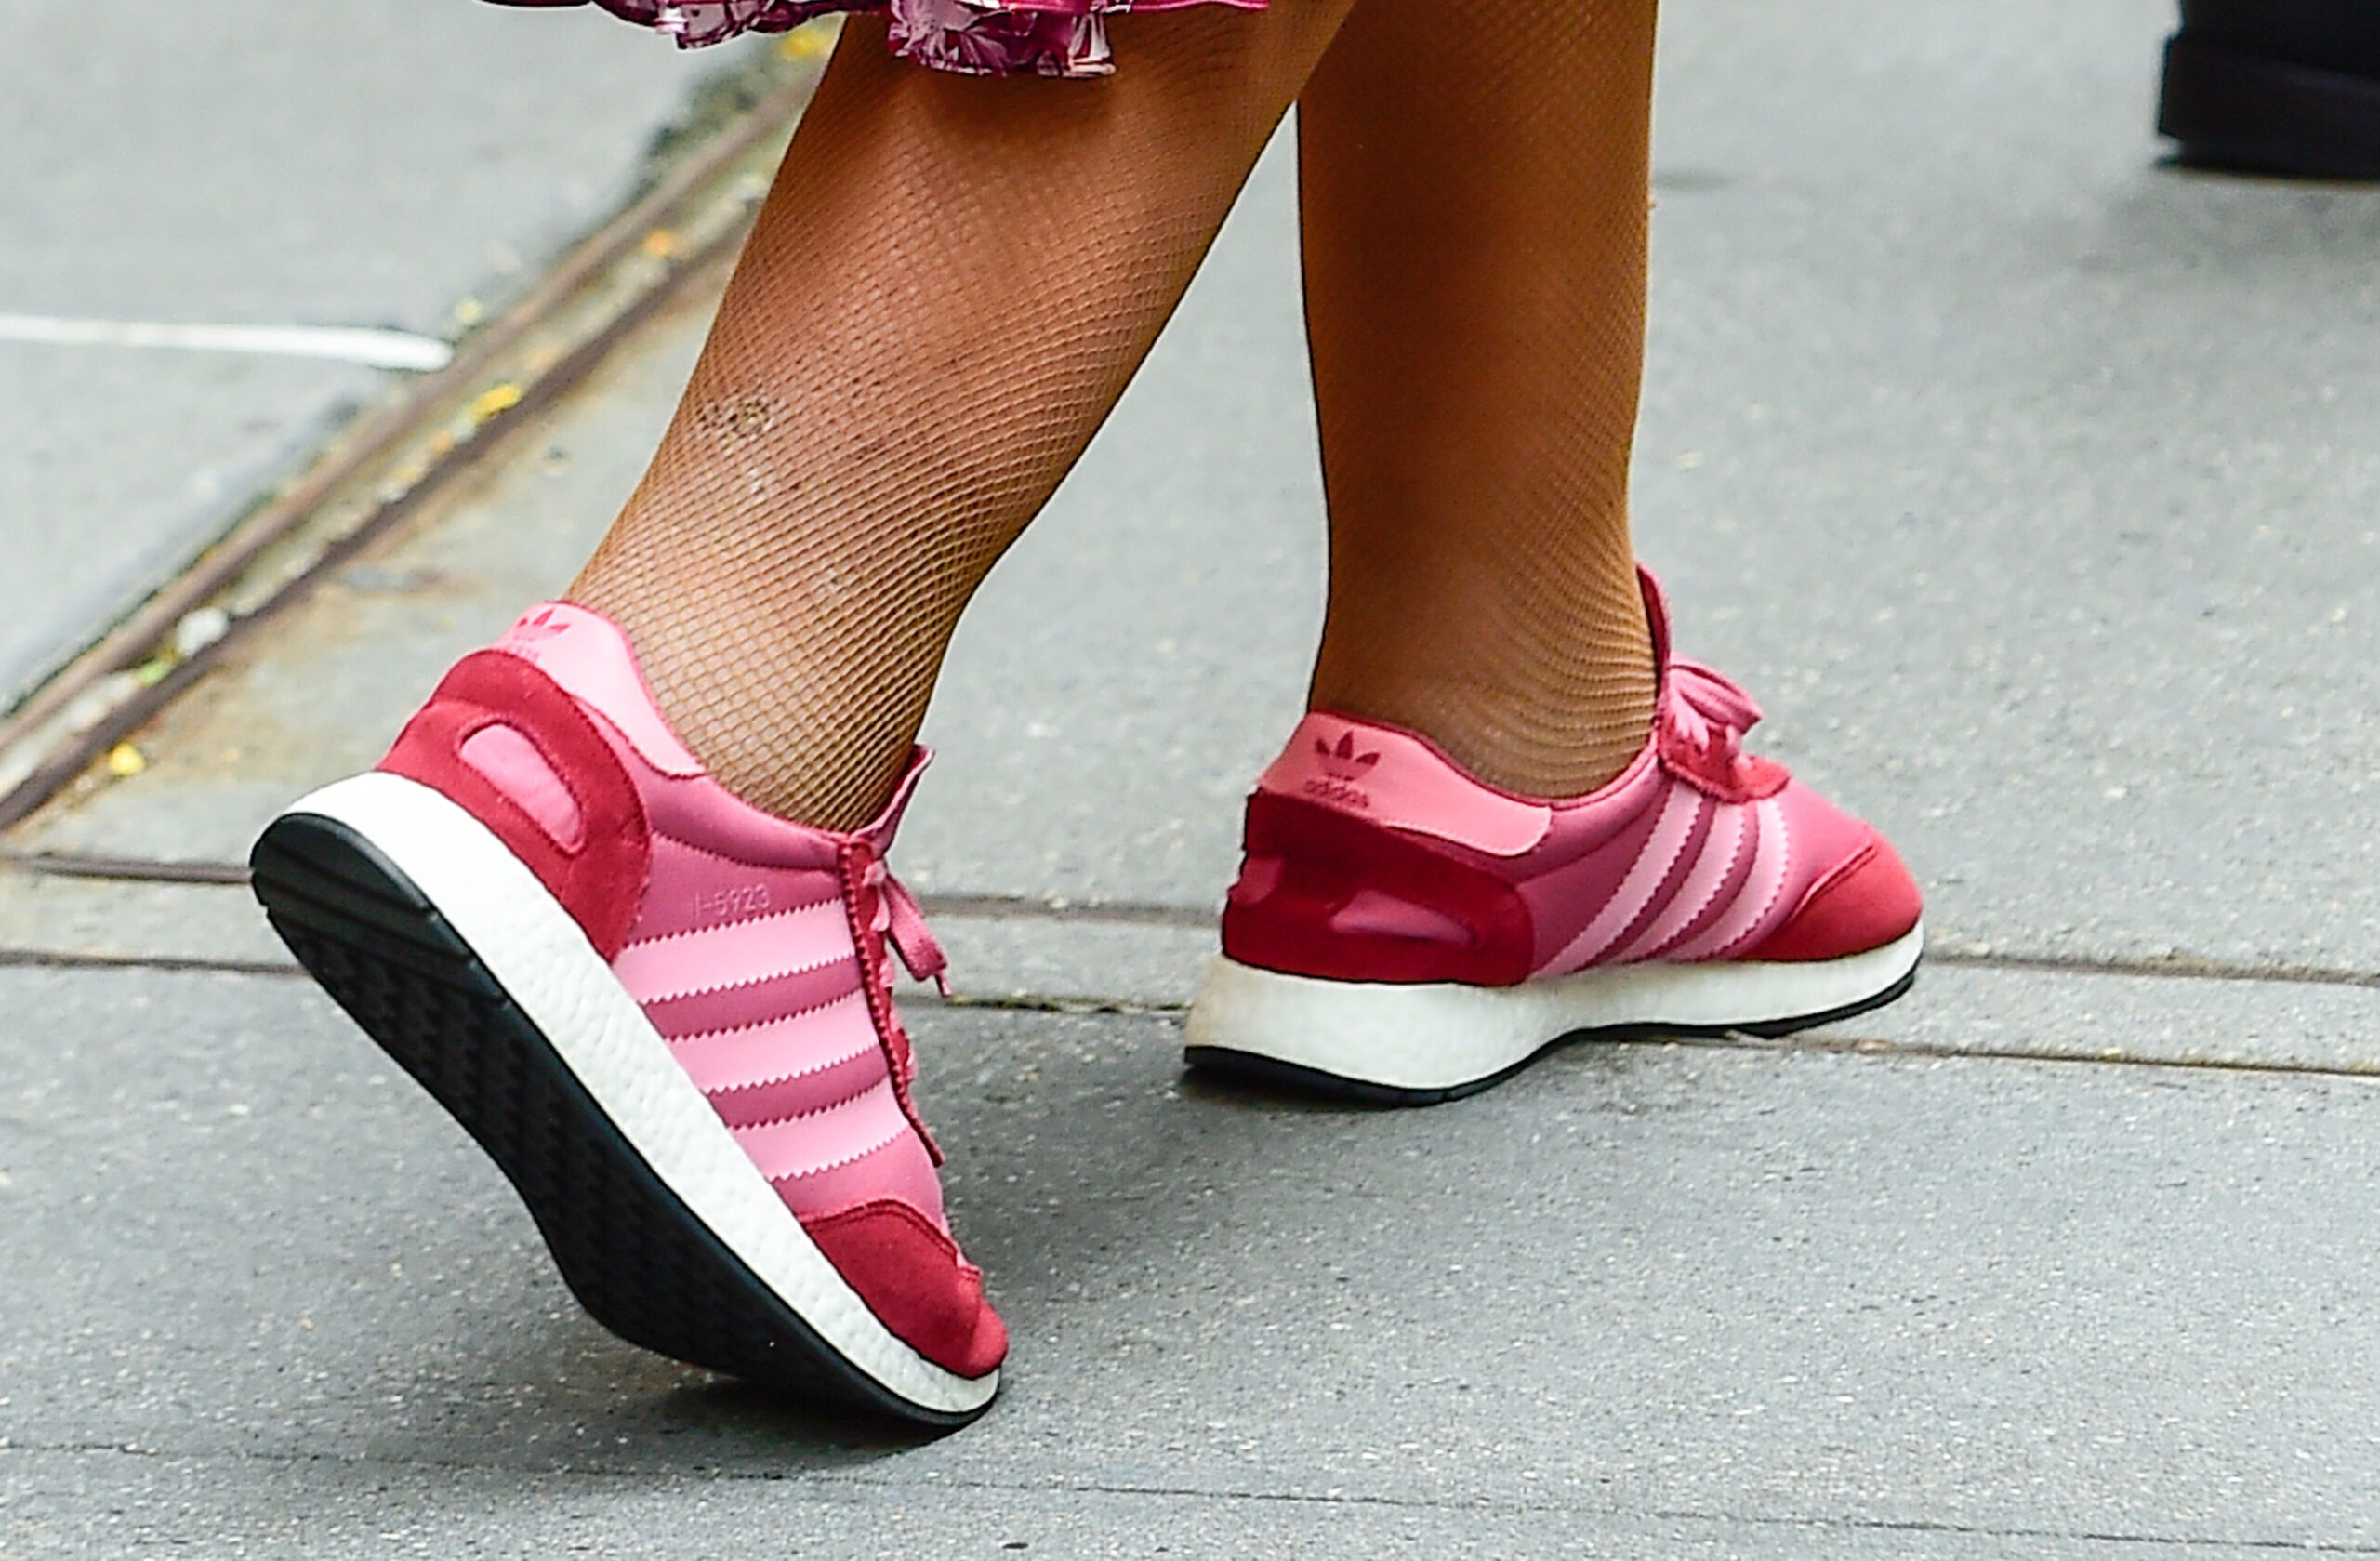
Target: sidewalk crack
[(1183, 1492)]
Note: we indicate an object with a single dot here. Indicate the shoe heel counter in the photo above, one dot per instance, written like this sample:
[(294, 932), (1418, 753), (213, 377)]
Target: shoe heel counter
[(503, 740), (1325, 895)]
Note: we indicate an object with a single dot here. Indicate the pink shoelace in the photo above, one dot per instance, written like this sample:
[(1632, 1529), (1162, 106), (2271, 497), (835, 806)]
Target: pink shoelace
[(898, 921), (895, 921), (1707, 712)]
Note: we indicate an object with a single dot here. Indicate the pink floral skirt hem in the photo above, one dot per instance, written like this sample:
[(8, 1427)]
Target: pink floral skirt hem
[(972, 37)]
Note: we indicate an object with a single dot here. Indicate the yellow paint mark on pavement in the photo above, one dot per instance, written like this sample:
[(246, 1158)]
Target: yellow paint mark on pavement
[(494, 400)]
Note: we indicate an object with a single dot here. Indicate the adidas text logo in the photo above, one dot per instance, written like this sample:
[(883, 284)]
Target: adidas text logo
[(1340, 792)]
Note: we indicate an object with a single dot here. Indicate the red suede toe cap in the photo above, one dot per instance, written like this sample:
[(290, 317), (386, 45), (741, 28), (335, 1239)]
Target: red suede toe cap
[(1867, 903), (912, 1276)]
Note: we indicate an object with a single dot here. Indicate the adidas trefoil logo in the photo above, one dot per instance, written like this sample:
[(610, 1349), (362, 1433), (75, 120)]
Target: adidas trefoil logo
[(539, 625), (1344, 762), (1341, 768)]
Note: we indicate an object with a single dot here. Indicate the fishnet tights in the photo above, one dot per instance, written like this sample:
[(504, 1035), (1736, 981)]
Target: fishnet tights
[(947, 289), (952, 282), (1475, 195)]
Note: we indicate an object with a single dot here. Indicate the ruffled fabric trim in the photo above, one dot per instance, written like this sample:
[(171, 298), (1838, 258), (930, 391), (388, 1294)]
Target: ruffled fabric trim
[(972, 37)]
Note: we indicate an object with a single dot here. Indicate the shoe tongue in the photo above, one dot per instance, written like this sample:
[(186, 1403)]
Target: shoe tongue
[(1657, 616), (591, 658), (879, 831)]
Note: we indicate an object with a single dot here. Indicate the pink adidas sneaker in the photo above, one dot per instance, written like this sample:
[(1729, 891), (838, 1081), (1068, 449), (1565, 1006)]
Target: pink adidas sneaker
[(667, 1016), (1406, 933)]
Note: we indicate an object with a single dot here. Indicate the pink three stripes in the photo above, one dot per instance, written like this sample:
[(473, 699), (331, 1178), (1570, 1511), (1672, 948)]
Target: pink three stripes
[(767, 1016), (1707, 880)]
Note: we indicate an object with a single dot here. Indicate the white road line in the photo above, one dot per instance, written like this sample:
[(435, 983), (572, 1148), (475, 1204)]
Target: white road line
[(348, 344)]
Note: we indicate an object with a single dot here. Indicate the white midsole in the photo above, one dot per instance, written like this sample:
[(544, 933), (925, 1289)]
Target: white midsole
[(1443, 1036), (543, 961)]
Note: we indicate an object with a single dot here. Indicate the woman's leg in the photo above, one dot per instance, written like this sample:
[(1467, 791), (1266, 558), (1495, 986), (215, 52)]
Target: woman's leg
[(950, 284), (1475, 234), (1476, 199), (666, 1013)]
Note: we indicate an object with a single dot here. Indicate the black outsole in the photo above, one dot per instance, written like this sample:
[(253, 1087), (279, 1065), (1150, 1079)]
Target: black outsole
[(629, 1249), (2245, 113), (1292, 1078)]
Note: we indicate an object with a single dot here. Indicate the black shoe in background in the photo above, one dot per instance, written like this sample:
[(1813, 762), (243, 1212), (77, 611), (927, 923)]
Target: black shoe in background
[(2276, 87)]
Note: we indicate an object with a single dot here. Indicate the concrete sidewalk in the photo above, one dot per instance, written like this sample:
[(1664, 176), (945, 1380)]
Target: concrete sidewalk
[(375, 163), (2029, 485)]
